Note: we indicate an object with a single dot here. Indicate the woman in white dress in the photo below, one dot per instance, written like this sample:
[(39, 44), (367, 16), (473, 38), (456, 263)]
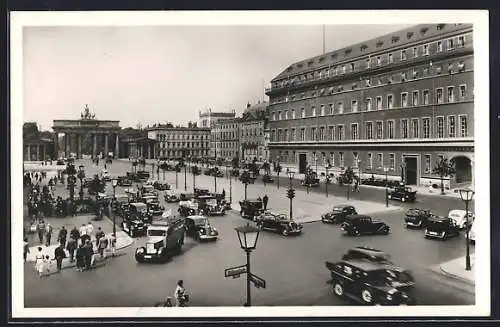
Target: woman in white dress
[(39, 259)]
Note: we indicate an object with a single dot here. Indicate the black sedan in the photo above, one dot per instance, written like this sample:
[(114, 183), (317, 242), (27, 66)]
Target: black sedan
[(356, 225), (441, 228), (338, 214), (278, 223)]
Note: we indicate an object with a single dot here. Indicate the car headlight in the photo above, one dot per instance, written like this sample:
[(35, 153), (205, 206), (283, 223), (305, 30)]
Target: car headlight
[(139, 251), (426, 231)]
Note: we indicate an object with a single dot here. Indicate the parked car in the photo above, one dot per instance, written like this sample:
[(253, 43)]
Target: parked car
[(120, 204), (201, 191), (210, 205), (250, 209), (460, 218), (188, 208), (124, 181), (139, 211), (402, 193), (278, 223), (417, 217), (310, 180), (370, 283), (133, 226), (214, 171), (161, 186), (267, 179), (153, 204), (170, 196), (164, 240), (199, 228), (441, 228), (338, 214), (148, 190), (356, 225)]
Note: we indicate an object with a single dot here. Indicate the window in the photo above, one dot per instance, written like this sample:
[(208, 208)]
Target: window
[(451, 126), (415, 98), (392, 161), (343, 69), (341, 159), (379, 103), (302, 134), (380, 160), (293, 113), (313, 111), (379, 60), (463, 126), (368, 63), (368, 104), (451, 44), (322, 110), (390, 101), (322, 133), (403, 76), (286, 114), (273, 136), (285, 135), (404, 99), (461, 41), (355, 159), (331, 108), (439, 46), (403, 55), (414, 128), (340, 132), (426, 49), (426, 71), (279, 115), (390, 58), (332, 159), (313, 134), (354, 106), (369, 163), (274, 115), (390, 129), (425, 97), (439, 95), (302, 113), (427, 127), (404, 128), (380, 130), (451, 94), (440, 127), (341, 107), (415, 52), (292, 134), (352, 67), (331, 132), (354, 132), (427, 167), (462, 90), (369, 130)]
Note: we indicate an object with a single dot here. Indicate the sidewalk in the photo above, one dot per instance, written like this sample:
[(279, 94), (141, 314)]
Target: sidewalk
[(456, 269)]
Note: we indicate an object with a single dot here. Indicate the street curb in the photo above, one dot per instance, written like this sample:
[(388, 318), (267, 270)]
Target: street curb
[(454, 283), (451, 275)]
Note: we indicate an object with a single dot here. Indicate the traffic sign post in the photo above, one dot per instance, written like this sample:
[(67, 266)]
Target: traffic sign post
[(235, 272), (257, 281)]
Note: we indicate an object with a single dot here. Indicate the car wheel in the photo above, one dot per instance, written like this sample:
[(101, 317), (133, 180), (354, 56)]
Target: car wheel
[(241, 213), (284, 232), (366, 296), (198, 237), (356, 232), (132, 233), (338, 289), (386, 230)]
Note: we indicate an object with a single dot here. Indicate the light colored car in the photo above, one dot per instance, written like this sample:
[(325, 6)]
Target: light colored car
[(472, 233), (459, 217)]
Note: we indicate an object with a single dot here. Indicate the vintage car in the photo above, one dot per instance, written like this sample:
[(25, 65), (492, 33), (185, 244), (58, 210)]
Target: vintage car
[(460, 218), (170, 196), (120, 204), (60, 162), (139, 211), (356, 225), (161, 186), (310, 180), (370, 283), (131, 193), (417, 217), (338, 214), (148, 190), (153, 204), (105, 175), (164, 240), (124, 181), (210, 205), (214, 171), (199, 228), (134, 226), (188, 208), (472, 233), (250, 209), (186, 196), (267, 179), (278, 223), (441, 228), (201, 191), (402, 193)]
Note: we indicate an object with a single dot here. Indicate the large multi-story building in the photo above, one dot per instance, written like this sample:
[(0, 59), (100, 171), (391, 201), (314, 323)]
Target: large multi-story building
[(225, 139), (398, 102), (252, 127), (177, 142), (208, 118)]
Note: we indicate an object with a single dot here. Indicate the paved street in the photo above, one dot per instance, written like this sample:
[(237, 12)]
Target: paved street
[(292, 267)]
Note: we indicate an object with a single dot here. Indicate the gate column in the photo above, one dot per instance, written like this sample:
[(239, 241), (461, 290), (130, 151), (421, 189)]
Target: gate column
[(106, 141), (79, 146), (94, 145), (117, 147)]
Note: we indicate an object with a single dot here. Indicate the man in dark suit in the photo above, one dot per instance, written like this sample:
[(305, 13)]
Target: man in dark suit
[(59, 255)]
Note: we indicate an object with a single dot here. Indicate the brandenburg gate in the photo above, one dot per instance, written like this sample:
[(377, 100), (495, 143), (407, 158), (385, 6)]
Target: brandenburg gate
[(87, 135)]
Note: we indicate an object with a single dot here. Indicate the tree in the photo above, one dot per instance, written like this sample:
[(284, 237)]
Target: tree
[(235, 162), (31, 131), (266, 167), (347, 178), (444, 168)]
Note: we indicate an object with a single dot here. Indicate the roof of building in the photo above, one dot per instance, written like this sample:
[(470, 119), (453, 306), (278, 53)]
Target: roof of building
[(178, 128), (210, 113), (371, 47), (258, 111)]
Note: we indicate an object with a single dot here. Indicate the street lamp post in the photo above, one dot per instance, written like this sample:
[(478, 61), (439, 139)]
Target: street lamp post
[(291, 191), (176, 176), (248, 236), (245, 178), (386, 169), (114, 183), (194, 176), (466, 195), (216, 170), (278, 168), (326, 180), (185, 176)]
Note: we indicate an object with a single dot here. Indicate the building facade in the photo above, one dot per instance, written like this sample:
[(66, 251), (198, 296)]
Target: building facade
[(398, 102), (177, 142), (208, 118), (225, 139), (252, 127)]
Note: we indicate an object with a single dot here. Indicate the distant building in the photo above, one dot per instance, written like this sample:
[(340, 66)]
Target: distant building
[(208, 118), (177, 142), (135, 143), (252, 129), (396, 103), (225, 139), (37, 145)]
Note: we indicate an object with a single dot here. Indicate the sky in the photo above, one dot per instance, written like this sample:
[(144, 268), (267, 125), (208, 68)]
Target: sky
[(157, 74)]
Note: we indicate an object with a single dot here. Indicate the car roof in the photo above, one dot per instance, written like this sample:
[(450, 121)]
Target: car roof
[(353, 217), (418, 209), (365, 265), (435, 218), (342, 206), (138, 204), (366, 249), (197, 217)]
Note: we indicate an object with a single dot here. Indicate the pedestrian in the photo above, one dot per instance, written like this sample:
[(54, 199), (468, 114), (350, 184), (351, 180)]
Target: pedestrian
[(99, 233), (223, 193), (71, 247), (63, 233), (265, 199), (80, 258), (74, 234), (46, 265), (105, 166), (90, 229), (48, 234), (41, 230), (102, 244), (179, 293), (39, 257), (59, 255), (83, 231), (89, 254), (26, 249)]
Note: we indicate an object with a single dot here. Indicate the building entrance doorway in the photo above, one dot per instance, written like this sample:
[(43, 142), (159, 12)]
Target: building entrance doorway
[(463, 170), (302, 163), (411, 170)]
